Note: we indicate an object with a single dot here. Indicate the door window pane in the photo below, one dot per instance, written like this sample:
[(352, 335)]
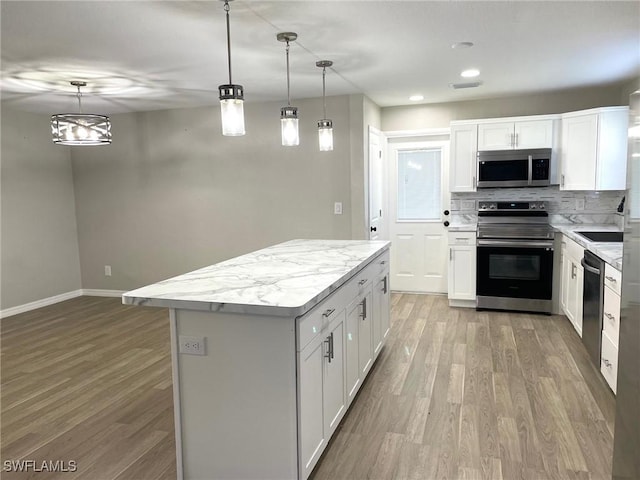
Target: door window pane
[(419, 184)]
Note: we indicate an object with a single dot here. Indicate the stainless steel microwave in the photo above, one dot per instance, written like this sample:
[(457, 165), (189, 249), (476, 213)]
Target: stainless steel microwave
[(514, 168)]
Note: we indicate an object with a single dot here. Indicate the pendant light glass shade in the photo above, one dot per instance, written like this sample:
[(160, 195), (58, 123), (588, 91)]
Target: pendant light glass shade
[(80, 129), (289, 126), (232, 110), (325, 135), (231, 95), (289, 114), (325, 126)]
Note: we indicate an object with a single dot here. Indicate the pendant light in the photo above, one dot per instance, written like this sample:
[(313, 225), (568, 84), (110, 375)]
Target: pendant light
[(231, 96), (80, 128), (325, 126), (288, 114)]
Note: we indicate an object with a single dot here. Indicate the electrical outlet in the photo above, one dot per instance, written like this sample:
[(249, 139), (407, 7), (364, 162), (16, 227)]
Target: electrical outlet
[(337, 208), (107, 270), (192, 345), (580, 203)]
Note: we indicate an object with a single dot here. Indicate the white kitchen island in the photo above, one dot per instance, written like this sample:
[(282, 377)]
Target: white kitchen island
[(290, 332)]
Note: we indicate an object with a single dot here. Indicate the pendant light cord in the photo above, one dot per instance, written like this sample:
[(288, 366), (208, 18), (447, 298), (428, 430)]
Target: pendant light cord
[(324, 98), (288, 88), (226, 9), (79, 95)]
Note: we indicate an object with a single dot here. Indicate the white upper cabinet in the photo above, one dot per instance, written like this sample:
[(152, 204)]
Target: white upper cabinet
[(462, 157), (594, 149), (515, 135)]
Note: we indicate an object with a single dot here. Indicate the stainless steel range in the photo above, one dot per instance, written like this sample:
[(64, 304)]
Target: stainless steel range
[(515, 257)]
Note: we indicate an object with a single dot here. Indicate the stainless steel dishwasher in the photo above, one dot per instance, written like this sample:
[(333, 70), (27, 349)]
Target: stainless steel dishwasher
[(592, 305)]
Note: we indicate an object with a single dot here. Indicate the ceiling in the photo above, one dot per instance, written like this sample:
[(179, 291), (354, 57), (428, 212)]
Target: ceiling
[(149, 55)]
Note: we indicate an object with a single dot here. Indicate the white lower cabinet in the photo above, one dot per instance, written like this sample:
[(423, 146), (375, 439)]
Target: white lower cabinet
[(340, 339), (462, 267), (322, 391), (572, 285)]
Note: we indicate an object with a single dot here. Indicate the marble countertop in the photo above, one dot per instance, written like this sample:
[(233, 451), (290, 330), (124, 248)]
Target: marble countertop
[(610, 252), (283, 280)]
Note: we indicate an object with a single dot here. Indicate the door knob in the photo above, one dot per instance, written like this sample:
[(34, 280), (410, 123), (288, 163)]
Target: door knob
[(374, 229), (446, 223), (446, 212)]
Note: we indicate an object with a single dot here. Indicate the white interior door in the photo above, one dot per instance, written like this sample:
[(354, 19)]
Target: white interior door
[(418, 195), (376, 185)]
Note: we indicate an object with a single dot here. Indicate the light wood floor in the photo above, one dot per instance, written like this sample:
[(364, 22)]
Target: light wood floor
[(455, 394)]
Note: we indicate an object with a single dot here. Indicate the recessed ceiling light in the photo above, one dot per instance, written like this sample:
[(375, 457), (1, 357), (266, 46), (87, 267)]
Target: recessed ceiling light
[(470, 73), (416, 98), (462, 45)]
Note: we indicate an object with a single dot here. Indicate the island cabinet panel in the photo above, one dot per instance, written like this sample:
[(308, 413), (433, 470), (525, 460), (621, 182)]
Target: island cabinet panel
[(280, 370), (238, 402)]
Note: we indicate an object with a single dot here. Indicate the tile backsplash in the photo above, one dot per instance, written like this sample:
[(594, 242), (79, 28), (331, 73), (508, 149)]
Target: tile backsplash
[(563, 206)]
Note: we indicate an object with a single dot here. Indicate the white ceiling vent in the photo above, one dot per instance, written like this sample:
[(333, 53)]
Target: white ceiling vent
[(465, 85)]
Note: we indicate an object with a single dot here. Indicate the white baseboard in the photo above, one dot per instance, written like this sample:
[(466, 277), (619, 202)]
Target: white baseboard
[(92, 292), (8, 312)]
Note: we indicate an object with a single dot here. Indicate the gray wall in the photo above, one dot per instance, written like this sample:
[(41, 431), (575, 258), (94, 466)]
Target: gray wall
[(39, 243), (171, 194), (438, 115)]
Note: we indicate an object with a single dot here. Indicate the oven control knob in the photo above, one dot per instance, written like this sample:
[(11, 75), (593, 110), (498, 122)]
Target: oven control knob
[(492, 206), (533, 206)]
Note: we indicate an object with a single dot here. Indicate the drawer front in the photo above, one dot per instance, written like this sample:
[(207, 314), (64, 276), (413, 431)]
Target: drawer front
[(317, 319), (611, 315), (609, 362), (612, 278), (462, 238)]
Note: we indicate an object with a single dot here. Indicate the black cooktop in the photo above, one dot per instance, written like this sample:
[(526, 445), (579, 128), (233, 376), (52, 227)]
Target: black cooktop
[(602, 236)]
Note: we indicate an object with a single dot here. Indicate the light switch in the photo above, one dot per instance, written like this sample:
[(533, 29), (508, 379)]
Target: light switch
[(337, 208)]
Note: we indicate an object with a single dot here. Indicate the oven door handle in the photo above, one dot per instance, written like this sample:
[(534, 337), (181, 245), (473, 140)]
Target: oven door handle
[(522, 244)]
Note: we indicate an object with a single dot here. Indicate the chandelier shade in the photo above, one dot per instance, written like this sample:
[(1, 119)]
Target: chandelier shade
[(80, 129)]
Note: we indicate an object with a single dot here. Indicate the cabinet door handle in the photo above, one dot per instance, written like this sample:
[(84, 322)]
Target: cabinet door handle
[(383, 262), (611, 279), (363, 314), (328, 312), (573, 270), (474, 182), (451, 254), (562, 180), (609, 316), (362, 282), (516, 142), (606, 362), (384, 284), (327, 354), (331, 344)]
